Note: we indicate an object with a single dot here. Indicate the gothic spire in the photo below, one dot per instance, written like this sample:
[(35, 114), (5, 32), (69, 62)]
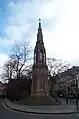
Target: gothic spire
[(39, 34)]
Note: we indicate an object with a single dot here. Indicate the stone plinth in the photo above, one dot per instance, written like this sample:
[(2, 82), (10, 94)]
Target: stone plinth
[(37, 100)]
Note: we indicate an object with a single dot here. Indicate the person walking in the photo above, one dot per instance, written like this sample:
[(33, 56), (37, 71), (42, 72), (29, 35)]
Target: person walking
[(67, 100), (70, 101)]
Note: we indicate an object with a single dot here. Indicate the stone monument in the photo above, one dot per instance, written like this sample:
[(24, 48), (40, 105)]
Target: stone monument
[(40, 69), (39, 89)]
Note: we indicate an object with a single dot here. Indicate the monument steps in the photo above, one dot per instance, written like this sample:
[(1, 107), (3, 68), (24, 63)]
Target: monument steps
[(38, 100)]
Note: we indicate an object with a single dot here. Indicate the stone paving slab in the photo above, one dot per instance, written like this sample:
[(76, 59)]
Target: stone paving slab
[(58, 109)]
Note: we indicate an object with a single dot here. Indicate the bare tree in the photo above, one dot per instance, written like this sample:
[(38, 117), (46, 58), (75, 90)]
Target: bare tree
[(57, 66), (7, 70), (19, 61), (20, 56)]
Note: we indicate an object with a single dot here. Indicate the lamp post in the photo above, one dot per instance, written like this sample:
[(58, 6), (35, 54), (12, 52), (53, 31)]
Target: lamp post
[(77, 91), (75, 76)]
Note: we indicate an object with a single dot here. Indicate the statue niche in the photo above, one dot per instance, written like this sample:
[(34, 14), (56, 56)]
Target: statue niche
[(35, 57), (41, 56)]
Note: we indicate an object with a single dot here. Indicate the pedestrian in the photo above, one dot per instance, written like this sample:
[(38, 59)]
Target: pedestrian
[(70, 101), (67, 100)]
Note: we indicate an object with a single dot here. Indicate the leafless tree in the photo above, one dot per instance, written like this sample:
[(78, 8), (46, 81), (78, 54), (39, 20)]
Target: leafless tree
[(7, 70), (20, 56), (57, 66), (19, 61)]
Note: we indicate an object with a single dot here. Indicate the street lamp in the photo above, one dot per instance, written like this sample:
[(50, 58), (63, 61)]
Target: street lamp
[(75, 76), (77, 91)]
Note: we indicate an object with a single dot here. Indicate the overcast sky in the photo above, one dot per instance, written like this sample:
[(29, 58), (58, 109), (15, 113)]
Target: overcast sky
[(60, 26)]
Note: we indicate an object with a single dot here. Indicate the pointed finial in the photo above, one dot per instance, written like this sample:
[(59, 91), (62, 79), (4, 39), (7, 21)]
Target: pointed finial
[(40, 25), (39, 20)]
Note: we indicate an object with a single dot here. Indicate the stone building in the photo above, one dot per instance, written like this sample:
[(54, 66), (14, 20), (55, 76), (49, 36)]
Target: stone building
[(68, 78)]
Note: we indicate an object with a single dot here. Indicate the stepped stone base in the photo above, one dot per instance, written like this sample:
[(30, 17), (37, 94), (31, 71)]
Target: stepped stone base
[(38, 100)]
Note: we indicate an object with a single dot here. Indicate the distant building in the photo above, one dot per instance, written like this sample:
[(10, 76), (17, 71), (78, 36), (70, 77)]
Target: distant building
[(68, 78)]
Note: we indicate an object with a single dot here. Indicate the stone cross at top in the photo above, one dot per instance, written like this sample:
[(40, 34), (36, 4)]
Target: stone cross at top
[(39, 20)]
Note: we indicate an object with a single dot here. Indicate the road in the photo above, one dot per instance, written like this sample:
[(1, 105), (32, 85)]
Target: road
[(6, 113)]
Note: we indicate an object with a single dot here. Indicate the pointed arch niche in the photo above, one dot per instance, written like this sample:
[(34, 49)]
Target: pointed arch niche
[(44, 57), (35, 57), (41, 56)]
